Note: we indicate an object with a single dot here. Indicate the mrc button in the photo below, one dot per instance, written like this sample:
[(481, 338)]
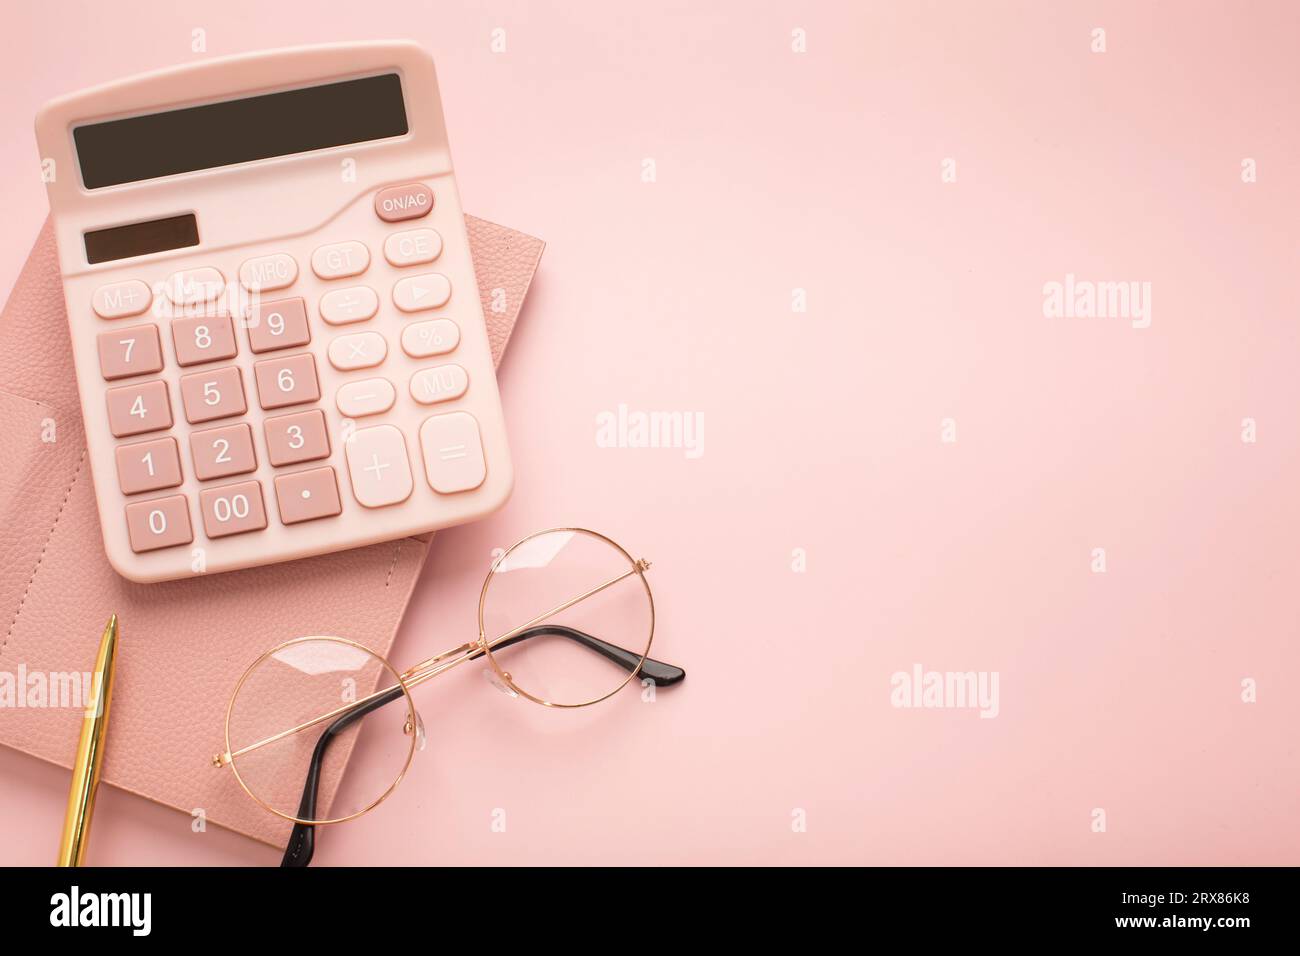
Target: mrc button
[(408, 201)]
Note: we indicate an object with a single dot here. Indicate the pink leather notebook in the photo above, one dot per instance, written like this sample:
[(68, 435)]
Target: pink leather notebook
[(184, 643)]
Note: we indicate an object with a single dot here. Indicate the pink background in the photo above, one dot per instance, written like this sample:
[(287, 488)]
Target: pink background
[(821, 171)]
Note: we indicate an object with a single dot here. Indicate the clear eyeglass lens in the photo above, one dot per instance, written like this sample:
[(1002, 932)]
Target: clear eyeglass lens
[(364, 708), (585, 651)]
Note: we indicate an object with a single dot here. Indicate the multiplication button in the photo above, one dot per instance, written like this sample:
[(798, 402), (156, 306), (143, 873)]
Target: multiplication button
[(358, 350)]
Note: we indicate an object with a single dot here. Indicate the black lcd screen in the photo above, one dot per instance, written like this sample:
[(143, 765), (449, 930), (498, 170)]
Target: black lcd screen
[(141, 238), (240, 131)]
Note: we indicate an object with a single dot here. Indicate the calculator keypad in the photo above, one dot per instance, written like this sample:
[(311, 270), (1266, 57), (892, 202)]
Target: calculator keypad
[(366, 376)]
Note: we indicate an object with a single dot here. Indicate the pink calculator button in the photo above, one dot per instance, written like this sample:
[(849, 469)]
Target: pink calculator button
[(120, 299), (439, 384), (148, 465), (302, 436), (290, 380), (191, 286), (408, 201), (358, 350), (434, 337), (127, 352), (340, 259), (135, 409), (266, 273), (413, 247), (214, 393), (378, 466), (353, 304), (200, 340), (232, 509), (308, 495), (453, 453), (160, 523), (428, 291), (222, 451), (369, 396), (278, 324)]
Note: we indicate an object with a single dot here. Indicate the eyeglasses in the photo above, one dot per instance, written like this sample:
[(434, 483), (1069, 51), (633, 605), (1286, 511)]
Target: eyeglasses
[(573, 619)]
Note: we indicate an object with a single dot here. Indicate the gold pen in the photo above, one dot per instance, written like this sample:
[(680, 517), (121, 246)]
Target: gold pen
[(90, 753)]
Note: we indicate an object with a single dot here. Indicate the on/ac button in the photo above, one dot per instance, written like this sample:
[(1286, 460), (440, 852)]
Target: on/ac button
[(408, 201)]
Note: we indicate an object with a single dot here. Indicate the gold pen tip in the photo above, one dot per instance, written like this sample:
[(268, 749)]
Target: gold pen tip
[(109, 638)]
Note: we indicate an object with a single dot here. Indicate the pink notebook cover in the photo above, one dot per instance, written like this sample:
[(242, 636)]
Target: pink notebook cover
[(184, 643)]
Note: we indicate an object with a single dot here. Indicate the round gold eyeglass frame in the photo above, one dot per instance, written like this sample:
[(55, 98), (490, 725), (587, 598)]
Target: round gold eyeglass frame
[(440, 663)]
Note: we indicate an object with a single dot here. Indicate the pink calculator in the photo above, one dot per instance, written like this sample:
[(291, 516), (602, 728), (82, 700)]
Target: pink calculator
[(278, 339)]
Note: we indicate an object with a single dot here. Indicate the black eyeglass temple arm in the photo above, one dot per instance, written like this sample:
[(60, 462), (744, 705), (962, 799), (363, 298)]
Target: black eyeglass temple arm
[(663, 675)]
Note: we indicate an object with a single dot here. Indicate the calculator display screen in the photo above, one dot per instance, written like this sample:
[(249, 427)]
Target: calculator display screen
[(141, 238), (240, 131)]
